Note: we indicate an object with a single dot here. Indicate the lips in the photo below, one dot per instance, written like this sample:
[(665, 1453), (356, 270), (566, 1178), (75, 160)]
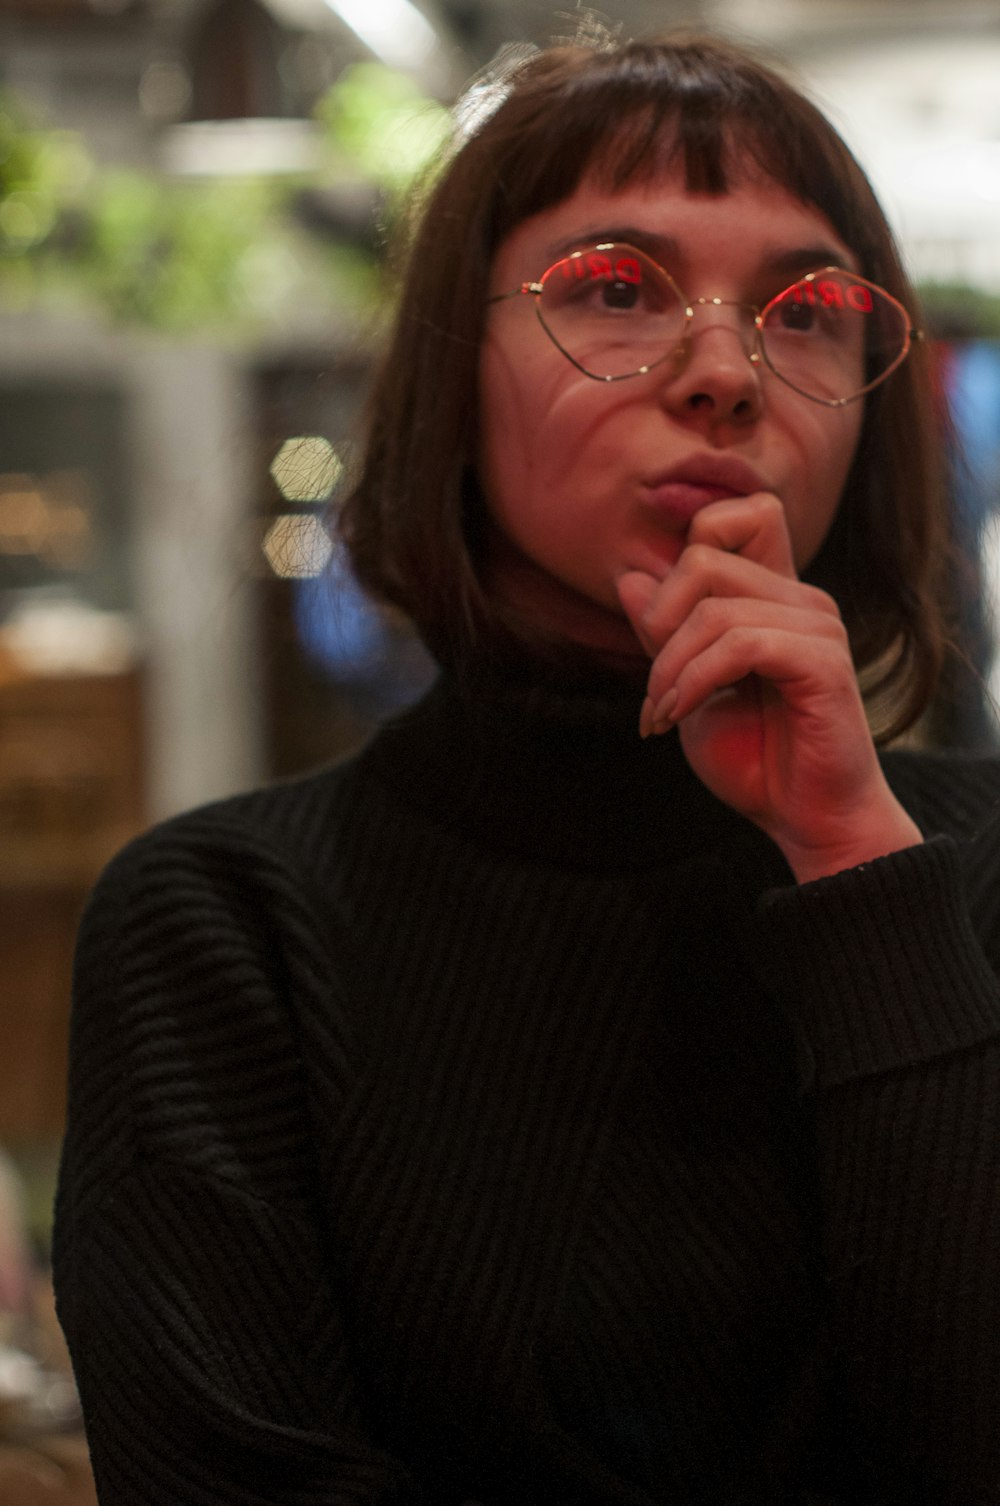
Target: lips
[(683, 490)]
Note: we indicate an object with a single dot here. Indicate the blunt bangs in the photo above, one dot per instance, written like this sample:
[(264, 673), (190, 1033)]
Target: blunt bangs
[(634, 115)]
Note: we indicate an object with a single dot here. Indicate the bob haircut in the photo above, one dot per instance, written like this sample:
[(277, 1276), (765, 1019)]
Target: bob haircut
[(416, 523)]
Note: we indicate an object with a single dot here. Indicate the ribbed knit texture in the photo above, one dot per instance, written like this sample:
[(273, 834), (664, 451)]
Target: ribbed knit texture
[(490, 1119)]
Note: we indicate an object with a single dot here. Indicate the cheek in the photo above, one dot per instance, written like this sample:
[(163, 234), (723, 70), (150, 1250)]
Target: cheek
[(827, 446), (507, 428), (538, 423)]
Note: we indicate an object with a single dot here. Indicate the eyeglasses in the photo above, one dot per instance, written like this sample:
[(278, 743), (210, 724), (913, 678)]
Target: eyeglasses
[(615, 313)]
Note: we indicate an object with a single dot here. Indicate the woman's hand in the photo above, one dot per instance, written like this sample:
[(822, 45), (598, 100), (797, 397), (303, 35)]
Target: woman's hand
[(755, 669)]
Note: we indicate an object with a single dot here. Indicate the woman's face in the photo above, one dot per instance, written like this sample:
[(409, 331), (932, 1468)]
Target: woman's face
[(585, 479)]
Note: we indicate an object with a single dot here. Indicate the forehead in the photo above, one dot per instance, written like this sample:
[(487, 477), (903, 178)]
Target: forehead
[(755, 228)]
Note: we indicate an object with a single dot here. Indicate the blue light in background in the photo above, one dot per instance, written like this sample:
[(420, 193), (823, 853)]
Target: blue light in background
[(380, 667)]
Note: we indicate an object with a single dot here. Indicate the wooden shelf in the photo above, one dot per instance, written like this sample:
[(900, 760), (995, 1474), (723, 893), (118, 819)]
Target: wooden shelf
[(71, 793)]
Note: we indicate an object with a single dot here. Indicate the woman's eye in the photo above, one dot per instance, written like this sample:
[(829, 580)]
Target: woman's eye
[(796, 315), (602, 284), (620, 295)]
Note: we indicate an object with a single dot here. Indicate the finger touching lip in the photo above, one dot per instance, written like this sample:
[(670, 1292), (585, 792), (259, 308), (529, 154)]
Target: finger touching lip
[(679, 501), (679, 493)]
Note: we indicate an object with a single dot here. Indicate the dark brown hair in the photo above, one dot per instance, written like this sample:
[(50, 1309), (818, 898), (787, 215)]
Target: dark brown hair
[(415, 521)]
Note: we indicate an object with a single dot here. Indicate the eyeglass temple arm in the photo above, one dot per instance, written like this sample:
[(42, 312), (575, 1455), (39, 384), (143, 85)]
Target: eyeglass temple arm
[(526, 287)]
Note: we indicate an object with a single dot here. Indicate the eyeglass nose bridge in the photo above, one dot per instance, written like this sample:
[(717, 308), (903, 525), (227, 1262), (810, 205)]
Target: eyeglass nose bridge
[(750, 337)]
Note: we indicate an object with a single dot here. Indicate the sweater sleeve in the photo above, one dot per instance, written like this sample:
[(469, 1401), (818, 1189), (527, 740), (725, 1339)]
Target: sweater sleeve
[(888, 975), (200, 1304)]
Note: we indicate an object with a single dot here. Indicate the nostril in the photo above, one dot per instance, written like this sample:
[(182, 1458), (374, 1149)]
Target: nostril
[(740, 409)]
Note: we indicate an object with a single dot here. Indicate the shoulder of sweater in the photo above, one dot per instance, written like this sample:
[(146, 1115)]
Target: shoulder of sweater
[(281, 811), (287, 824), (205, 938), (949, 793), (249, 874)]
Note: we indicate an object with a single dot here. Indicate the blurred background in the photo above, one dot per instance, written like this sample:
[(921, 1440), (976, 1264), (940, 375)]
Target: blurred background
[(195, 201)]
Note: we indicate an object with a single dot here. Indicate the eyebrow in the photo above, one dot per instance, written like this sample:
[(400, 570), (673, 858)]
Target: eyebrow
[(664, 248)]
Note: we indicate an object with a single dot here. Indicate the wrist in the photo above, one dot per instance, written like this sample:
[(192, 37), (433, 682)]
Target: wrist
[(859, 841)]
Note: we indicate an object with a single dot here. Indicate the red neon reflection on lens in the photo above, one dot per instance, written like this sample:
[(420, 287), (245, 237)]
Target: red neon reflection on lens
[(831, 294), (860, 298), (599, 269)]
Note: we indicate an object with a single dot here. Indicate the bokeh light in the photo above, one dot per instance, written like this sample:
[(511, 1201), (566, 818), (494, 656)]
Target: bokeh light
[(306, 469), (297, 546)]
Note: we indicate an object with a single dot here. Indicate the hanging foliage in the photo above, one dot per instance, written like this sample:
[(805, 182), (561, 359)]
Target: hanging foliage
[(219, 255)]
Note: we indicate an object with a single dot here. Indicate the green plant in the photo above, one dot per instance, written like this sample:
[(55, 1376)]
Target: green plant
[(380, 124), (955, 310), (225, 255)]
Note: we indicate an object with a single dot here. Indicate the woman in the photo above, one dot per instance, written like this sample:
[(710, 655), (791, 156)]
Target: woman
[(589, 1093)]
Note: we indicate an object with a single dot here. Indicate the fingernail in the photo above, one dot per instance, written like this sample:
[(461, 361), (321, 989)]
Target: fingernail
[(663, 718), (646, 718)]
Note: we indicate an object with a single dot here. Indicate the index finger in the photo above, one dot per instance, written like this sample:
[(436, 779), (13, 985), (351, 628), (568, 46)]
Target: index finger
[(754, 527)]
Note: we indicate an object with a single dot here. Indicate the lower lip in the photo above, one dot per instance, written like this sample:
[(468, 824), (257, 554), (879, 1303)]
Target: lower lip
[(679, 501)]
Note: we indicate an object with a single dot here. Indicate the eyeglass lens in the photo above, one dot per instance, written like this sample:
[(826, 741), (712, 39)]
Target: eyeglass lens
[(615, 313)]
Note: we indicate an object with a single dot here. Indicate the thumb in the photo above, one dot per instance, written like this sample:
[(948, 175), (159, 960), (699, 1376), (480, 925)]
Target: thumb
[(636, 590)]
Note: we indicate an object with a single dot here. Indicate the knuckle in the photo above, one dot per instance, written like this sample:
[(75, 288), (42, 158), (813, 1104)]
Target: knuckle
[(821, 601), (711, 613), (830, 630), (696, 558), (744, 639), (836, 635)]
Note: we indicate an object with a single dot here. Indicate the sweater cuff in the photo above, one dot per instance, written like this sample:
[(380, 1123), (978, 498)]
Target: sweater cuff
[(878, 968)]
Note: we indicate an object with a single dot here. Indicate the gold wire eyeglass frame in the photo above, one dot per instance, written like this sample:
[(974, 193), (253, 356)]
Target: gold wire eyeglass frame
[(759, 352)]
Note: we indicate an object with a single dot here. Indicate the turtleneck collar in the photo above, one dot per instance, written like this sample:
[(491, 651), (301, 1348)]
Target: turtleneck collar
[(554, 776)]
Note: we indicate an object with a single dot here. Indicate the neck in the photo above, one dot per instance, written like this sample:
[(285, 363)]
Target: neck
[(539, 604), (551, 771)]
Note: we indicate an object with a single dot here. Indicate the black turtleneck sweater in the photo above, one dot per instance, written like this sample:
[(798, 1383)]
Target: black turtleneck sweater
[(491, 1118)]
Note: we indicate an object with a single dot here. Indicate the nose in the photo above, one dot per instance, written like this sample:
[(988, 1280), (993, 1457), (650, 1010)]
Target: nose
[(715, 373)]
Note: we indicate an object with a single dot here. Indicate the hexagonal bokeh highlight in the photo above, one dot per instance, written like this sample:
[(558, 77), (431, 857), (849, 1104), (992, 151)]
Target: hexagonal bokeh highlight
[(297, 546), (306, 468)]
